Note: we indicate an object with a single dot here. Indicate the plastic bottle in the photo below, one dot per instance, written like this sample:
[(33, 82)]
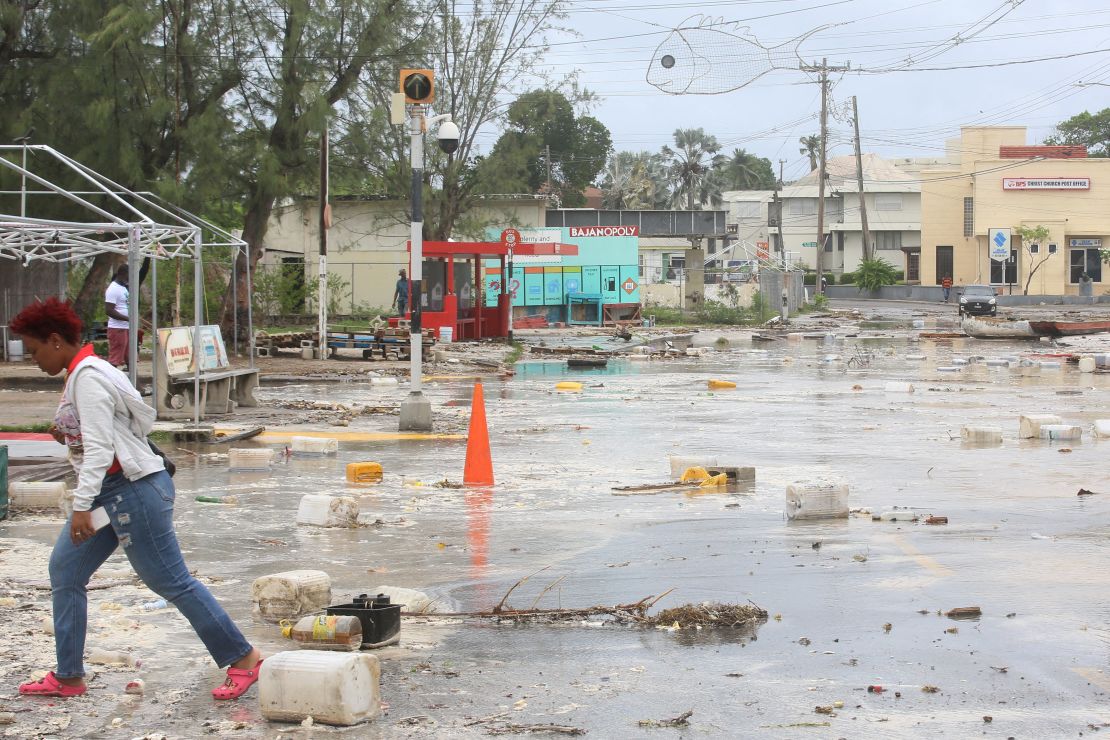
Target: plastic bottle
[(329, 633), (155, 605), (112, 657)]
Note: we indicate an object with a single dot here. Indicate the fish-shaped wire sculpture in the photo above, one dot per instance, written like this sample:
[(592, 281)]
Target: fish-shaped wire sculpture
[(706, 56)]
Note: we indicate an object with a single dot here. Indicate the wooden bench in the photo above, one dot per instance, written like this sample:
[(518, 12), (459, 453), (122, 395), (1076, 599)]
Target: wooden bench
[(222, 388)]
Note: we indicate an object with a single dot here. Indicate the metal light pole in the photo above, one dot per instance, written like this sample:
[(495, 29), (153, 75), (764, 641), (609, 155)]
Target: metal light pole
[(416, 410)]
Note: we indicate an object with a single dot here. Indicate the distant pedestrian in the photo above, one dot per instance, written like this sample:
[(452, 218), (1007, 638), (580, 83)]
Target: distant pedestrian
[(401, 293), (116, 305), (824, 283), (946, 283)]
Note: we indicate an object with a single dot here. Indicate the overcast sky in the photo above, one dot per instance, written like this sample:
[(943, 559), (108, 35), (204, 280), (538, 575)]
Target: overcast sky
[(906, 113)]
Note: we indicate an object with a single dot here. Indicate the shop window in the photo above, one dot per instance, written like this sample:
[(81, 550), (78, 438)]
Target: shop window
[(1085, 260), (969, 217)]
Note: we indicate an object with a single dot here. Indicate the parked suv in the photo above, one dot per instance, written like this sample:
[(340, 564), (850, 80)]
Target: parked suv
[(978, 300)]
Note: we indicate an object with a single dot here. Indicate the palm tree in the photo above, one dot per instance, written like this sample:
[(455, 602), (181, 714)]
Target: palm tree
[(634, 180), (690, 166), (811, 147), (745, 171)]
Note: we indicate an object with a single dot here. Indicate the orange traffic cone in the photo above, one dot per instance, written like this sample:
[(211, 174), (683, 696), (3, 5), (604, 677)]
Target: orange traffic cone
[(479, 466)]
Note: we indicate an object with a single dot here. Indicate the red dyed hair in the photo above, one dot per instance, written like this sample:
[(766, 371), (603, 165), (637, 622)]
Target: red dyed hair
[(43, 318)]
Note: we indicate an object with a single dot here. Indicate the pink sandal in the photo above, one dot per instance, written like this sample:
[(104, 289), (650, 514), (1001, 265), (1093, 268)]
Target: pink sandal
[(237, 683), (51, 686)]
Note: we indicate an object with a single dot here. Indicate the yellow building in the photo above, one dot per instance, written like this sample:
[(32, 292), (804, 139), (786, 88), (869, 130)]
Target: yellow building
[(996, 184)]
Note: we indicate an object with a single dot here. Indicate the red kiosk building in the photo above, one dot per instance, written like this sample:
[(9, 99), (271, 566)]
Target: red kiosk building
[(453, 286)]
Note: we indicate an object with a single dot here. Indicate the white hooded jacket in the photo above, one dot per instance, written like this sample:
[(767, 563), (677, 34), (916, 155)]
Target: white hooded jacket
[(113, 423)]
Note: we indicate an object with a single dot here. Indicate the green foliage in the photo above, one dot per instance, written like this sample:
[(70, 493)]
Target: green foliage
[(635, 180), (874, 274), (280, 290), (847, 278), (539, 122), (713, 313), (1087, 129), (745, 171), (811, 147), (1031, 235), (820, 302), (691, 165)]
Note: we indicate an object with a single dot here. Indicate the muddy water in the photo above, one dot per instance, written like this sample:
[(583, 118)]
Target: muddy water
[(1020, 544)]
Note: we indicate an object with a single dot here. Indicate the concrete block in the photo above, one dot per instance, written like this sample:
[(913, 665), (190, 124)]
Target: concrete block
[(262, 352)]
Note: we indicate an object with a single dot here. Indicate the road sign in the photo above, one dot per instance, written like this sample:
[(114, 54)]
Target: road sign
[(812, 245), (418, 85), (510, 238), (999, 244)]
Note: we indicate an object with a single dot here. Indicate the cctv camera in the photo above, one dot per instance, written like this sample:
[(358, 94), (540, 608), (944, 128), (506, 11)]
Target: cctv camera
[(448, 137)]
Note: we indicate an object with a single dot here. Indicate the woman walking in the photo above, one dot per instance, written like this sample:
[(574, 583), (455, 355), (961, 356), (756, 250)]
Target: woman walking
[(104, 423)]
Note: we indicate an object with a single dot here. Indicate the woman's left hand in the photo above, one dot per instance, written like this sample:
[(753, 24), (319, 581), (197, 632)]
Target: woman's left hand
[(81, 527)]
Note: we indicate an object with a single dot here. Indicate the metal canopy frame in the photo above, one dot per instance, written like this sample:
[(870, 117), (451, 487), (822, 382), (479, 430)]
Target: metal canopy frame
[(122, 221)]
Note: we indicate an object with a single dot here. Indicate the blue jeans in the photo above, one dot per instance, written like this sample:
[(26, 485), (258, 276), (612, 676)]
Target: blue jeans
[(141, 515)]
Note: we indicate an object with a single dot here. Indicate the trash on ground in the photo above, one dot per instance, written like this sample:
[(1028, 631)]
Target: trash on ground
[(328, 632), (327, 511), (964, 612), (817, 500), (290, 594), (936, 520), (332, 688), (680, 721)]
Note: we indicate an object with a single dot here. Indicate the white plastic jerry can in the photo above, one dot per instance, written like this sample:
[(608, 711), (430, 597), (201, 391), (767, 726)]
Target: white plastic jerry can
[(332, 688)]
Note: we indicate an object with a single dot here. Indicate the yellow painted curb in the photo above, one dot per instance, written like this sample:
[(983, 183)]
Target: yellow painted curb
[(285, 436)]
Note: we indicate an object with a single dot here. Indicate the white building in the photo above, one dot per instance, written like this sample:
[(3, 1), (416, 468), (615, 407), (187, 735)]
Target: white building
[(893, 201)]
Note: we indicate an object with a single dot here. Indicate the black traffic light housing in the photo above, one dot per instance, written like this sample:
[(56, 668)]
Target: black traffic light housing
[(418, 85)]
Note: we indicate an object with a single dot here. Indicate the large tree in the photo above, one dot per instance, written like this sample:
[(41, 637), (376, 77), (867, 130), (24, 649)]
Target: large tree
[(691, 164), (487, 50), (1090, 130), (133, 90), (745, 171), (543, 124), (315, 56), (635, 180)]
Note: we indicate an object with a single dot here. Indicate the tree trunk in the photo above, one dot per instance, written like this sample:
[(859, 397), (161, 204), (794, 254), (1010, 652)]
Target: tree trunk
[(91, 295), (255, 224)]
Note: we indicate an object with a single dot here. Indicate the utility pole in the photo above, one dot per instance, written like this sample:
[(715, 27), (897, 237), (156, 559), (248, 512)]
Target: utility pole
[(781, 163), (547, 162), (867, 247), (322, 275), (823, 70)]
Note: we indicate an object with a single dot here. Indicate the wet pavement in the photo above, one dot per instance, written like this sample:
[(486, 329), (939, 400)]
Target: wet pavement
[(1020, 544)]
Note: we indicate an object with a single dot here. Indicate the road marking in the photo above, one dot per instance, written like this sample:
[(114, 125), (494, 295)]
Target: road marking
[(286, 436), (922, 559)]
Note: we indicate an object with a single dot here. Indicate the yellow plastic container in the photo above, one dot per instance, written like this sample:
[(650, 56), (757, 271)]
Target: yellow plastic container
[(720, 385), (695, 474), (568, 385), (715, 481), (364, 472)]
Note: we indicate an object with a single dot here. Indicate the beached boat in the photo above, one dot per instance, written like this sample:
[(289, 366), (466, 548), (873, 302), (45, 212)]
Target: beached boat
[(982, 327), (1068, 328)]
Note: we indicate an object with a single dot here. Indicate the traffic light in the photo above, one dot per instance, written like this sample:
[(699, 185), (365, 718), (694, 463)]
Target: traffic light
[(418, 85)]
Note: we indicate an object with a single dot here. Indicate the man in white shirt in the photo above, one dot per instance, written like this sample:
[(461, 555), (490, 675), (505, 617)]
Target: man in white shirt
[(116, 306)]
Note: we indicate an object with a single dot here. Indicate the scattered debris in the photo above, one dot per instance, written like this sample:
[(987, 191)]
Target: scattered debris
[(1085, 492), (1001, 668), (513, 729), (711, 615), (448, 484), (930, 689), (964, 612), (936, 520), (875, 689), (680, 721), (888, 627), (988, 719), (823, 710)]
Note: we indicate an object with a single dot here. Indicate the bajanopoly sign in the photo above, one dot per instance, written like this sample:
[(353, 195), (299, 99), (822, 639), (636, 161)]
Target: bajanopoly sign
[(604, 231), (1046, 183)]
